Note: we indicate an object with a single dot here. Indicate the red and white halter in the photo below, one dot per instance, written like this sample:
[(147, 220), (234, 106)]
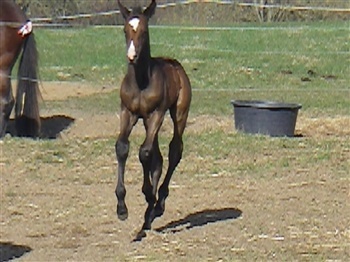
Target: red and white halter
[(26, 29)]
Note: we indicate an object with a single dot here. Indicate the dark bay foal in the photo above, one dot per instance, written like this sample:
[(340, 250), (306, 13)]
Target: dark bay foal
[(150, 88)]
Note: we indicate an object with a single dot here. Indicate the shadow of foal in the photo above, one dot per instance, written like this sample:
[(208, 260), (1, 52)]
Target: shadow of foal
[(10, 251), (201, 219), (150, 88)]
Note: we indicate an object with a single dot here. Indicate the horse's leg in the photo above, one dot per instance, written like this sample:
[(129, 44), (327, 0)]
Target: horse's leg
[(175, 154), (6, 101), (150, 187), (152, 162), (156, 168), (127, 121)]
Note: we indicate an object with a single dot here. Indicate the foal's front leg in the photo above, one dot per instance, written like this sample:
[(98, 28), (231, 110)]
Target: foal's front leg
[(127, 121), (152, 161)]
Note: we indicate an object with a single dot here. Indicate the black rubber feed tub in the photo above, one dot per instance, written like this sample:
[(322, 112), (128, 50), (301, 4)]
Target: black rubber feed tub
[(265, 117)]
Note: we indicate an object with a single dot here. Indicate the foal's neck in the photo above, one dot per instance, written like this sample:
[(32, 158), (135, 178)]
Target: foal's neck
[(141, 71)]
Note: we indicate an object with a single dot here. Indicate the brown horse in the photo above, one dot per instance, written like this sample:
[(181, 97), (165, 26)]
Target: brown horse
[(16, 36), (150, 87)]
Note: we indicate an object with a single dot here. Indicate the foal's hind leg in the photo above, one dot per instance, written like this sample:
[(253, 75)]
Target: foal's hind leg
[(175, 155)]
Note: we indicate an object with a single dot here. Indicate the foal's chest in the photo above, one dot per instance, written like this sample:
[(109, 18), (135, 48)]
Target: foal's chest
[(142, 102)]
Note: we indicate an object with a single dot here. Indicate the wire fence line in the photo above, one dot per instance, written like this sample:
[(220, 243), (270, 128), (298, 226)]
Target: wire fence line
[(114, 14), (178, 3), (257, 5), (48, 22), (244, 28)]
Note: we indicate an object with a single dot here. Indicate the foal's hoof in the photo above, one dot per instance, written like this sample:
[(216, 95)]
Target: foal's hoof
[(140, 235), (122, 212)]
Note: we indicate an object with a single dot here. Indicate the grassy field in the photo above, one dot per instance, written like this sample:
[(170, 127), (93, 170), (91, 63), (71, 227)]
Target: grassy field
[(292, 194), (97, 54), (286, 62)]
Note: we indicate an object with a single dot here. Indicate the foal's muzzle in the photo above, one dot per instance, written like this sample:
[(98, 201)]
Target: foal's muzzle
[(131, 53)]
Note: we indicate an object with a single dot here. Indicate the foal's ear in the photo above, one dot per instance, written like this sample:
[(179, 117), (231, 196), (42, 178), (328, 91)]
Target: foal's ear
[(150, 10), (123, 10)]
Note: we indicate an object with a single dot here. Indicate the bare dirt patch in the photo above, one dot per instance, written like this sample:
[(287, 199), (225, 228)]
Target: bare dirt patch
[(58, 202), (108, 124), (326, 126), (64, 90)]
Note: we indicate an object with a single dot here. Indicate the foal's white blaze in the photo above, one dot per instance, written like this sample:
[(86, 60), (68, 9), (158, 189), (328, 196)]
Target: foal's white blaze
[(131, 51), (134, 23)]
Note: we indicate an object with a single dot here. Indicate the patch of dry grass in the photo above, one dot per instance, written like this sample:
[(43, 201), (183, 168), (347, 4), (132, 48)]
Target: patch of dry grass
[(58, 195)]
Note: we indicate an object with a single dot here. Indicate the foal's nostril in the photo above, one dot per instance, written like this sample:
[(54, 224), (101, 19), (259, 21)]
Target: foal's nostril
[(132, 58)]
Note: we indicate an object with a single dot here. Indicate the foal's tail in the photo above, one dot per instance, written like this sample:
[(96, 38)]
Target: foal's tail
[(27, 106)]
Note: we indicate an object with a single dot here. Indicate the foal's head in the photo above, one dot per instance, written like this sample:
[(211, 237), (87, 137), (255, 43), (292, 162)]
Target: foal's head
[(136, 31)]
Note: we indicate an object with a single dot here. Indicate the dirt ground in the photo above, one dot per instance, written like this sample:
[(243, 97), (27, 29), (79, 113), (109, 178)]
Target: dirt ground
[(301, 215), (86, 126)]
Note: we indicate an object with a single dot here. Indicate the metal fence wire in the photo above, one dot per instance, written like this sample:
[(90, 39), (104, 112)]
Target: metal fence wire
[(186, 12)]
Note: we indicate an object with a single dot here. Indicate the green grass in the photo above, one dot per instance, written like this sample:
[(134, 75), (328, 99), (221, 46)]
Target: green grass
[(247, 62), (209, 102), (230, 59), (293, 62), (257, 156), (78, 54)]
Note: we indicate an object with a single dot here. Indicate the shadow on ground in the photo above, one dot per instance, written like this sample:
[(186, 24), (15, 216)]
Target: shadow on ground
[(201, 218), (51, 126), (9, 251)]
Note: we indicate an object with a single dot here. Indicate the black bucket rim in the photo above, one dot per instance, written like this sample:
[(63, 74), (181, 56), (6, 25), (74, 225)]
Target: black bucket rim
[(265, 104)]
